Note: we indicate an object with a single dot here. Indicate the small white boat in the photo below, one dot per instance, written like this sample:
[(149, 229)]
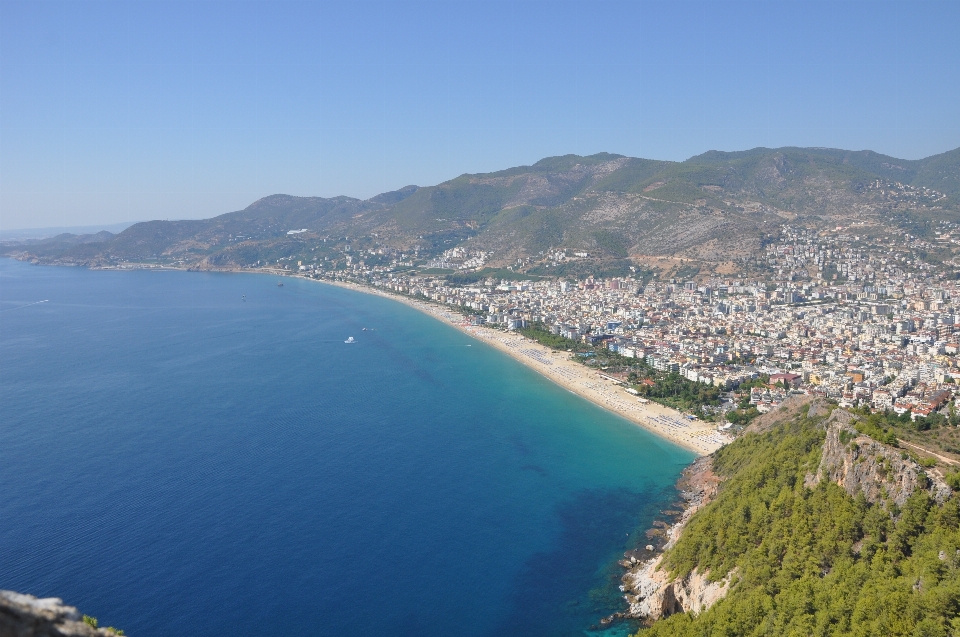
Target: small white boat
[(350, 340)]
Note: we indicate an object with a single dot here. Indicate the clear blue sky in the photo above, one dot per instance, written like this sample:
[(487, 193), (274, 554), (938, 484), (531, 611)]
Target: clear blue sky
[(116, 111)]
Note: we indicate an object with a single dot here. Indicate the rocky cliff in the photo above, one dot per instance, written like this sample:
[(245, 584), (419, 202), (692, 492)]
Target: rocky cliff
[(860, 464), (655, 594), (27, 616), (652, 592)]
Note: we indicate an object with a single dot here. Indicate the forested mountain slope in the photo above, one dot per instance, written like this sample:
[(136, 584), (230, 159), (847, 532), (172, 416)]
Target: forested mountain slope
[(821, 530)]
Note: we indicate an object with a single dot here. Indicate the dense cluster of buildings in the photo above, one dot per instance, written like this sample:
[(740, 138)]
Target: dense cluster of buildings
[(862, 320)]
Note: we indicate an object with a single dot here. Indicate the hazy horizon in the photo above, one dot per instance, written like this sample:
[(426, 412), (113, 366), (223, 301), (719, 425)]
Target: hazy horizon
[(44, 231), (120, 111)]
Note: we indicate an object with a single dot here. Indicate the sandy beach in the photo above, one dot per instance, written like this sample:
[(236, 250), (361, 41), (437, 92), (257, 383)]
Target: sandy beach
[(699, 437)]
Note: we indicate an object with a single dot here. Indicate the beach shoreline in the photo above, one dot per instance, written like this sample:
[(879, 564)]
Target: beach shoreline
[(696, 436), (699, 437)]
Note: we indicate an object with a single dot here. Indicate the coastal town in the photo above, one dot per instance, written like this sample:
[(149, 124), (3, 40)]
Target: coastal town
[(865, 320), (488, 319)]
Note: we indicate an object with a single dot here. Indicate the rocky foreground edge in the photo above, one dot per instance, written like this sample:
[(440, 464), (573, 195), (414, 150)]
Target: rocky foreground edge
[(28, 616)]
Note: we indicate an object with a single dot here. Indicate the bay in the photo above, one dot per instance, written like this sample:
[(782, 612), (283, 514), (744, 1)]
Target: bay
[(197, 453)]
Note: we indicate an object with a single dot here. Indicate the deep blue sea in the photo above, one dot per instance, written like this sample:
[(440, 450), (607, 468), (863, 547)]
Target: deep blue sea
[(177, 460)]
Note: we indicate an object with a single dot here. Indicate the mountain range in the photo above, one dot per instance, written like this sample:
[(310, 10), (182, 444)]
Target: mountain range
[(713, 209)]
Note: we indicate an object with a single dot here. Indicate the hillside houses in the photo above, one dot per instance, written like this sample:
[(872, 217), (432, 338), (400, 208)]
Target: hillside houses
[(860, 322)]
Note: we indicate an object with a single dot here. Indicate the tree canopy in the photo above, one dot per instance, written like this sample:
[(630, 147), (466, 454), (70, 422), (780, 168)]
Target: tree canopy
[(815, 561)]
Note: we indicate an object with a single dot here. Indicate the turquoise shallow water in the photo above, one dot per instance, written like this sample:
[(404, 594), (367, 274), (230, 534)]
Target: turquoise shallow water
[(176, 460)]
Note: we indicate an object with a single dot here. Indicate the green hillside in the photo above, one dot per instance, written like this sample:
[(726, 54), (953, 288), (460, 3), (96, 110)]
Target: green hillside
[(940, 172), (816, 561)]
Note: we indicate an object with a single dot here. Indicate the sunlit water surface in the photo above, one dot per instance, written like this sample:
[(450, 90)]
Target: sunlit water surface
[(177, 460)]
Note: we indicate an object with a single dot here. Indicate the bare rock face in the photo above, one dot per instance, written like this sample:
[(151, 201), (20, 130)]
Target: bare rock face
[(647, 589), (650, 591), (654, 594), (696, 593), (28, 616), (860, 464)]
